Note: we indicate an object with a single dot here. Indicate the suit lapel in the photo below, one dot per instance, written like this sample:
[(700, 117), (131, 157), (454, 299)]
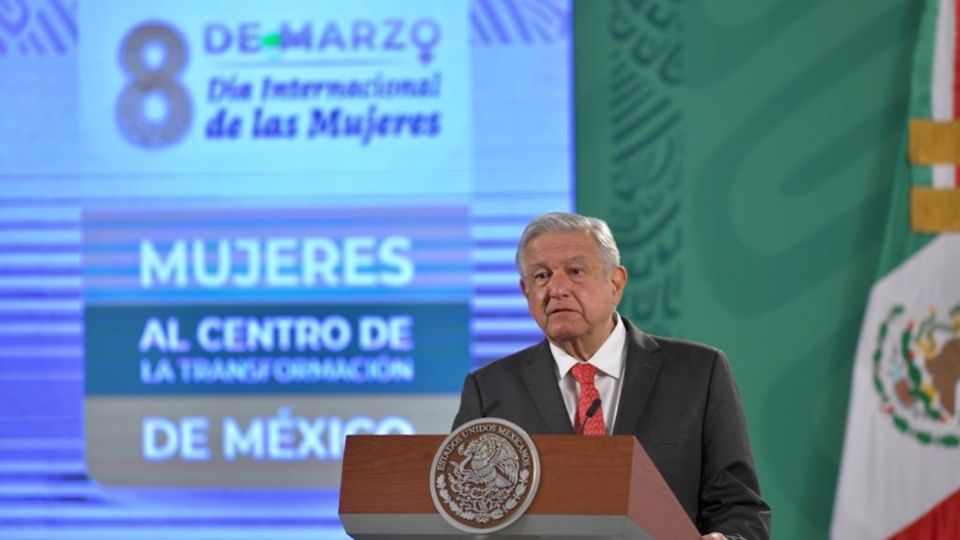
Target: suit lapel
[(640, 373), (540, 377)]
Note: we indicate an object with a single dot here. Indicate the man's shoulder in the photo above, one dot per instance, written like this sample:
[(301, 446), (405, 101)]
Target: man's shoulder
[(668, 346), (685, 346), (684, 354), (689, 368)]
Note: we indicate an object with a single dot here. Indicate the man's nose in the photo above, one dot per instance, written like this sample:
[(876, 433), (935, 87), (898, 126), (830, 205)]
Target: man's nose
[(559, 285)]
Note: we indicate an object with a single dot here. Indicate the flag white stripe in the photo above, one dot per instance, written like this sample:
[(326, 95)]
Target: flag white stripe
[(941, 85)]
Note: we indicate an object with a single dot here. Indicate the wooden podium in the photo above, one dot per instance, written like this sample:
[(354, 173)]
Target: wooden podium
[(590, 487)]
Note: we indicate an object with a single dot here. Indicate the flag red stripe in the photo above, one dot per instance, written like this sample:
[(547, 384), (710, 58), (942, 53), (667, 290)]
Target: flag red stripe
[(941, 522)]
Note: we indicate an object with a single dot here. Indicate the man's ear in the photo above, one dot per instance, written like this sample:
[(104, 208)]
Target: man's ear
[(618, 279), (523, 287)]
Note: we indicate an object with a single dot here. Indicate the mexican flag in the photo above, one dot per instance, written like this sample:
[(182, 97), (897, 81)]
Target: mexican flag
[(900, 473)]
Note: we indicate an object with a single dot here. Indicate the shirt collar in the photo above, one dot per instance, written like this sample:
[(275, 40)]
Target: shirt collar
[(608, 358)]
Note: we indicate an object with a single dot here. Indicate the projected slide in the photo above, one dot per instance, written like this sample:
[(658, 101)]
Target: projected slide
[(231, 351)]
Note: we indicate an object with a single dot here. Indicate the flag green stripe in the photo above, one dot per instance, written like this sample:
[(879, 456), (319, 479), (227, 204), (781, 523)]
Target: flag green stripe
[(922, 70)]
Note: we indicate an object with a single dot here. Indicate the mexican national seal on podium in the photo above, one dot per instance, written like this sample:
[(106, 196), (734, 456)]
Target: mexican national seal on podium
[(484, 475)]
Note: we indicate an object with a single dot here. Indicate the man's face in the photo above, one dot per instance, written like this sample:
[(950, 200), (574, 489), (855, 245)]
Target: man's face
[(569, 293)]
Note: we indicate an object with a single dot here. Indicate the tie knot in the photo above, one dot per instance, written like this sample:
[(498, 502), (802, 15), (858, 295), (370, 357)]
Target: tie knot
[(584, 373)]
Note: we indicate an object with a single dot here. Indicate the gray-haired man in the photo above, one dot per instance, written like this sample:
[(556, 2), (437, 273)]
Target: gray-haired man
[(677, 397)]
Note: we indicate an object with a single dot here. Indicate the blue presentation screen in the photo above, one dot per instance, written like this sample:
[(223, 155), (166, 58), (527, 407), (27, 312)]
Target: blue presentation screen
[(234, 233)]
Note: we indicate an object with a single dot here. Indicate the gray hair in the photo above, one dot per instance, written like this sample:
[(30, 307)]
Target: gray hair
[(565, 222)]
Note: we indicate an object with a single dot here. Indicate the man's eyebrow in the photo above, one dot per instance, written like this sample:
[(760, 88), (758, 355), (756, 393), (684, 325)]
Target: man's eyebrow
[(542, 264)]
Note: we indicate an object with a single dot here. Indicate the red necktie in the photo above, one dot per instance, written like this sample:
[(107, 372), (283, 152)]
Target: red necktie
[(584, 374)]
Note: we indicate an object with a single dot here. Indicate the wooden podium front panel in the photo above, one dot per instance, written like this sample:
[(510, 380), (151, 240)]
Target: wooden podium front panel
[(388, 474), (391, 473), (585, 475)]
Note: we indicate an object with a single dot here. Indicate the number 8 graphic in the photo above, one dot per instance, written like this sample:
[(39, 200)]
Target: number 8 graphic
[(153, 80)]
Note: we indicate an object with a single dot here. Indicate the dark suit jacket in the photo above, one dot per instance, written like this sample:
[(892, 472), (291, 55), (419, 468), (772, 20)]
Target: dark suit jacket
[(680, 401)]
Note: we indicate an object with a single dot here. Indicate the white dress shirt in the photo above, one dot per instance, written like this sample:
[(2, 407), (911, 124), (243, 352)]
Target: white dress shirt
[(609, 361)]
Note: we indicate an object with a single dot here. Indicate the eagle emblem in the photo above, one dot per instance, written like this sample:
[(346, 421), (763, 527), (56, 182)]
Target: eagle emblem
[(484, 475), (916, 369), (488, 461)]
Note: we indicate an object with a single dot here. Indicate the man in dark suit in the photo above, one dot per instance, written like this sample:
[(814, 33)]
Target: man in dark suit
[(597, 374)]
